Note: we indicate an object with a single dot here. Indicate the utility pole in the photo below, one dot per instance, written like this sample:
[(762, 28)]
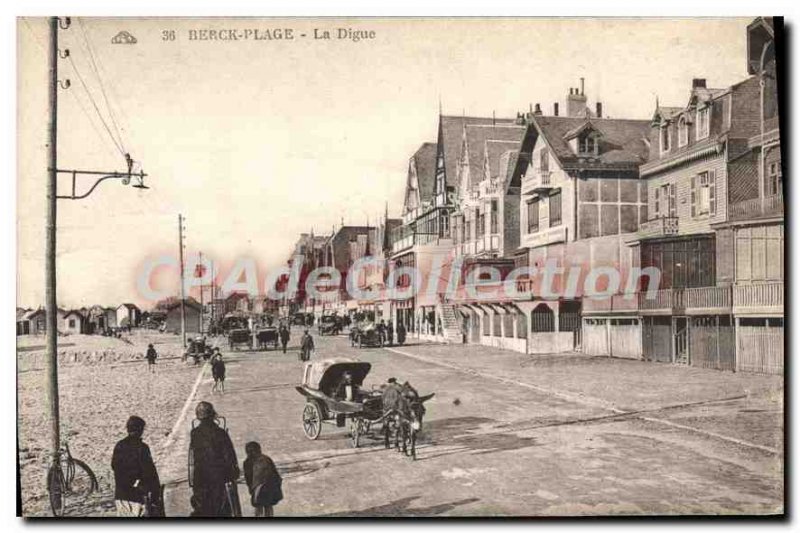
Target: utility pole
[(202, 309), (183, 296), (50, 304)]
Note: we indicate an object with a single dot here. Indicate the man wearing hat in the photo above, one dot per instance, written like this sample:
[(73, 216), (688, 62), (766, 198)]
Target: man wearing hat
[(213, 459), (135, 477)]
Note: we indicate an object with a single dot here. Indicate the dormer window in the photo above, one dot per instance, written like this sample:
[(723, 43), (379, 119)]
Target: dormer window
[(683, 132), (665, 140), (702, 122), (587, 144)]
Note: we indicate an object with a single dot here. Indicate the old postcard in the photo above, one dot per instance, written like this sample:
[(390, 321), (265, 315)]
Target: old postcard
[(408, 267)]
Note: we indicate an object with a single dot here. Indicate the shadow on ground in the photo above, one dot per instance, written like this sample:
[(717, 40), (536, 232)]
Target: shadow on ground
[(402, 507)]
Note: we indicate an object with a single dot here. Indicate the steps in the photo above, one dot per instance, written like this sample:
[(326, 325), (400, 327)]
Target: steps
[(451, 324)]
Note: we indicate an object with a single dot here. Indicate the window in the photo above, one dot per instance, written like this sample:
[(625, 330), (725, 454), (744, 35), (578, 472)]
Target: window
[(683, 263), (493, 219), (544, 161), (555, 209), (774, 180), (481, 224), (587, 144), (665, 202), (683, 132), (665, 137), (533, 215), (71, 323), (702, 122), (703, 194)]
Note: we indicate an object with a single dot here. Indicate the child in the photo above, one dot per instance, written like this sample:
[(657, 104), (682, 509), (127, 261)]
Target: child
[(263, 480), (151, 357)]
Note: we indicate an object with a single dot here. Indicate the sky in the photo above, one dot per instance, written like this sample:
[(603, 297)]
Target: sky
[(257, 141)]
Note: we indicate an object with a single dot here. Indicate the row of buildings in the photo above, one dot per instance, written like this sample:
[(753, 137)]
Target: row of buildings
[(96, 319), (694, 191)]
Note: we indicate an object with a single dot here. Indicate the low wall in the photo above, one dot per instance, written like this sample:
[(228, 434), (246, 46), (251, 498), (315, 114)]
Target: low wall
[(551, 342)]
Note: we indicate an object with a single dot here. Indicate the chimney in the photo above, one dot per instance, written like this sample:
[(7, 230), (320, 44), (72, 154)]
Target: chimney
[(599, 110), (555, 109), (581, 86), (699, 83), (537, 110), (576, 104)]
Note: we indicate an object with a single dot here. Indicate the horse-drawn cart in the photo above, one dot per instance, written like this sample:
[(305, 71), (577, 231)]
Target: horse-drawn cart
[(240, 336), (331, 398), (267, 336)]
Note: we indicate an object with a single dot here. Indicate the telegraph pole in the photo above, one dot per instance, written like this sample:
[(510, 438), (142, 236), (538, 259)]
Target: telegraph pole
[(50, 304), (183, 296), (202, 309)]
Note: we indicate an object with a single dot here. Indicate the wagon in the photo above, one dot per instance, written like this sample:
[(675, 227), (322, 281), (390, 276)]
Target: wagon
[(320, 382), (240, 336), (329, 325), (267, 336), (365, 334)]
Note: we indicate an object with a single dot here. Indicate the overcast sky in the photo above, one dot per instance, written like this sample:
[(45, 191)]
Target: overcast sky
[(258, 141)]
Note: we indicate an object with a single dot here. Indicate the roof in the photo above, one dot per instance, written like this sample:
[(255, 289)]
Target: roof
[(666, 113), (479, 136), (452, 130), (73, 312), (622, 141), (340, 242), (129, 306), (495, 150), (190, 302), (424, 161)]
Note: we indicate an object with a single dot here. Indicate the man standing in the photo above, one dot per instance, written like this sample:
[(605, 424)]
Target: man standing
[(135, 476), (218, 372), (381, 328), (306, 346), (151, 357), (390, 333), (263, 480), (284, 335), (401, 333), (213, 465)]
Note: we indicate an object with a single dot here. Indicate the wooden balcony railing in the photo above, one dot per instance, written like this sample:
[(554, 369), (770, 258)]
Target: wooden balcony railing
[(756, 207), (759, 297), (711, 298)]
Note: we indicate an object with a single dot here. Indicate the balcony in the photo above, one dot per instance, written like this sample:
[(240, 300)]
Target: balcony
[(658, 227), (758, 298), (616, 303), (690, 301), (537, 181), (770, 206)]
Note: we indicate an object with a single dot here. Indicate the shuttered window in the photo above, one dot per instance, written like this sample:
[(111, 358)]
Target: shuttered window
[(533, 216), (704, 194), (555, 209)]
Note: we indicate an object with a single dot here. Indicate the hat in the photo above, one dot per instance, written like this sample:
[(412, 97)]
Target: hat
[(391, 380), (205, 411)]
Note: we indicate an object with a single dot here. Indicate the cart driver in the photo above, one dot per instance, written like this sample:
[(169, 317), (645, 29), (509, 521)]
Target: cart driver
[(347, 390)]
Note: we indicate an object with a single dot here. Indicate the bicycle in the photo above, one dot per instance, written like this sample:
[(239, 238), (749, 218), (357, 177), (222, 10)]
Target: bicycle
[(68, 477)]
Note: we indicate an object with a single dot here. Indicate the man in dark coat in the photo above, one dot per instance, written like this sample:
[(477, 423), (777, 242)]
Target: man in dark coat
[(218, 372), (214, 464), (263, 480), (284, 335), (390, 333), (151, 357), (306, 346), (135, 477)]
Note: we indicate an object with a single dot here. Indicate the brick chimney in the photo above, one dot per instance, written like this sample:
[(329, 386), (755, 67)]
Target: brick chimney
[(598, 110), (537, 110), (555, 109), (699, 83)]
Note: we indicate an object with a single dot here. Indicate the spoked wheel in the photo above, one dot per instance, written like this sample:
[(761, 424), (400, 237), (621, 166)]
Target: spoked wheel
[(57, 490), (312, 420), (355, 432), (80, 480)]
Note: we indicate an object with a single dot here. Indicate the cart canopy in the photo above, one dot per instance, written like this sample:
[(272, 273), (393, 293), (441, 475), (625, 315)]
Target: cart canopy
[(325, 375)]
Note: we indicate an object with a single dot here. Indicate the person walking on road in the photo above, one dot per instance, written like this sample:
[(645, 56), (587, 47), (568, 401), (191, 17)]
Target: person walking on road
[(218, 372), (263, 480), (136, 480), (284, 334), (151, 357), (214, 469), (401, 333), (306, 346), (381, 328), (390, 333)]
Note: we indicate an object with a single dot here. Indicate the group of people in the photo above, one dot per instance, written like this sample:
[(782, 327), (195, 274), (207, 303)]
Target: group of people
[(214, 472)]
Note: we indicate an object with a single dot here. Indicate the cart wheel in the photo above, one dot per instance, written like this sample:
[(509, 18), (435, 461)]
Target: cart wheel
[(312, 420)]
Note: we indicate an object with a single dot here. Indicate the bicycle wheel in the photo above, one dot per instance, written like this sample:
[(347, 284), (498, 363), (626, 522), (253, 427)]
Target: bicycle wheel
[(83, 482), (56, 489)]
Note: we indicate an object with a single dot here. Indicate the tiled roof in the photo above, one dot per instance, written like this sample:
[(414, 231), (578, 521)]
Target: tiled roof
[(667, 113), (452, 129), (622, 142), (495, 151), (479, 136), (424, 161)]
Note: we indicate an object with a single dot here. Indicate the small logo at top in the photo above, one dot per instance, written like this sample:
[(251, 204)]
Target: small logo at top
[(123, 37)]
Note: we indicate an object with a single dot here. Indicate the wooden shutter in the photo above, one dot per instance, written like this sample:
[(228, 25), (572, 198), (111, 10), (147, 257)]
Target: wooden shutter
[(673, 204), (657, 210), (712, 193), (694, 196)]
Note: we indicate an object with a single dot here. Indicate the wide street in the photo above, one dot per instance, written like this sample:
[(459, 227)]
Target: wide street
[(508, 434)]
